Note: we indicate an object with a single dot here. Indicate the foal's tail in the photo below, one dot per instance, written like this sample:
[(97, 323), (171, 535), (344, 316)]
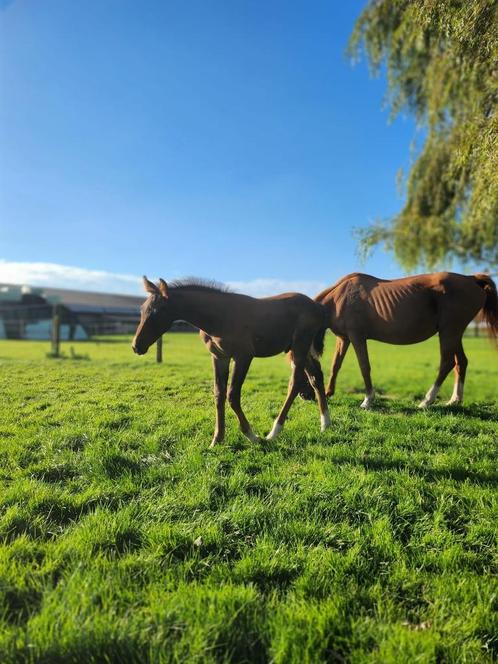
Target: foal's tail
[(318, 340), (306, 391), (490, 309), (318, 343)]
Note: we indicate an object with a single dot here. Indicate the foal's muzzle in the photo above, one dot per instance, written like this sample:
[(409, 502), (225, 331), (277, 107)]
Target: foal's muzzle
[(138, 350)]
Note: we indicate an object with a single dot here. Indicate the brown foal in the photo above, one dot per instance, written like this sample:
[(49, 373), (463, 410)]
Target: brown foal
[(406, 311), (238, 327)]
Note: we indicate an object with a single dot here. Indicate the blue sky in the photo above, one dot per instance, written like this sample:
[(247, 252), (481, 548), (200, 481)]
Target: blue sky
[(230, 140)]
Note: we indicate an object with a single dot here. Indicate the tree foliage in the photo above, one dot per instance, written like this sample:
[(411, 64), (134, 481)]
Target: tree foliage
[(441, 58)]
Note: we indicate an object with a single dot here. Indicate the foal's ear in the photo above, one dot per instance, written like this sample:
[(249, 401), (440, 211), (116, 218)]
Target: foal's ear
[(150, 287), (163, 288)]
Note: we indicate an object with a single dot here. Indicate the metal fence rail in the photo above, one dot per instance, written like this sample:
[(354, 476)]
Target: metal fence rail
[(36, 321)]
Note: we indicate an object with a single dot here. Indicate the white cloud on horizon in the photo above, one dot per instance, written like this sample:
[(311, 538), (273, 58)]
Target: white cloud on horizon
[(54, 275)]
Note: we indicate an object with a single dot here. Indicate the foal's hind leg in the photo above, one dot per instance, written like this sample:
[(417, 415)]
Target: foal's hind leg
[(360, 347), (241, 367), (341, 347), (461, 363), (448, 350), (297, 376), (315, 376)]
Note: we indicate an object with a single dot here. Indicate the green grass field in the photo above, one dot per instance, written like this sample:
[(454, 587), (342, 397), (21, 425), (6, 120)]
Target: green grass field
[(125, 539)]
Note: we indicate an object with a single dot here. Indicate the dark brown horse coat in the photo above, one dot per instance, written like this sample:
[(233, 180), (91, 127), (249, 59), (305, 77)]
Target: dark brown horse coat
[(407, 311), (238, 327)]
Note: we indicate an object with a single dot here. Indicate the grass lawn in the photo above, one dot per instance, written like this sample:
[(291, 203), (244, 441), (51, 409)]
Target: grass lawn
[(123, 538)]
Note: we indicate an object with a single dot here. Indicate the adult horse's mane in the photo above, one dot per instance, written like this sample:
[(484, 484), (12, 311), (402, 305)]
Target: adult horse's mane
[(195, 283)]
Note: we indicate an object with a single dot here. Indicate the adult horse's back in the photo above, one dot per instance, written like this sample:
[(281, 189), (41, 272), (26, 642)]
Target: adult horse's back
[(407, 311)]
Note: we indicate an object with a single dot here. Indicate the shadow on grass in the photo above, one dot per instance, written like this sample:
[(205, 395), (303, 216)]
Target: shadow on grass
[(429, 474), (480, 411)]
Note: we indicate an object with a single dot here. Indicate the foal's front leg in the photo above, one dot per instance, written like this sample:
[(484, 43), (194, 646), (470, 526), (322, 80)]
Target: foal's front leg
[(220, 369), (240, 369)]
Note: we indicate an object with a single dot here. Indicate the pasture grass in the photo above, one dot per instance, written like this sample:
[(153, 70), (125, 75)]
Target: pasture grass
[(125, 539)]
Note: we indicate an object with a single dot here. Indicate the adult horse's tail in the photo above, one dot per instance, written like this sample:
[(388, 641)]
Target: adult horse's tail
[(490, 308)]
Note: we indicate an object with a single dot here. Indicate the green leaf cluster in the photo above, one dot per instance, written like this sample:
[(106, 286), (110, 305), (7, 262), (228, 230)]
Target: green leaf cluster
[(441, 59)]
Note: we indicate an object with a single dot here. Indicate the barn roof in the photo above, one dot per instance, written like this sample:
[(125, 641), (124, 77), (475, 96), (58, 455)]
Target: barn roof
[(75, 300)]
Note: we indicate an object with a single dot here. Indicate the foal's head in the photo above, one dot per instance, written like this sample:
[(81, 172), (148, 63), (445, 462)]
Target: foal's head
[(156, 316)]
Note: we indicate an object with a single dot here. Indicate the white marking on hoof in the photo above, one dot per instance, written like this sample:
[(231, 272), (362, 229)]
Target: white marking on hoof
[(457, 396), (324, 421), (430, 397), (276, 429), (251, 436), (367, 401)]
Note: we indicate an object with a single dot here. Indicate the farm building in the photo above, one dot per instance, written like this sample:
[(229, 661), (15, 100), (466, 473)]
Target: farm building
[(26, 312)]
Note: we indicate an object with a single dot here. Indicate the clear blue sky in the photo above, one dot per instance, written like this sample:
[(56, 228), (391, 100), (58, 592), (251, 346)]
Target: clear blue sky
[(231, 140)]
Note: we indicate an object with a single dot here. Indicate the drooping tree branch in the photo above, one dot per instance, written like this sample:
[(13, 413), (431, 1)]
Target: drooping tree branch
[(441, 58)]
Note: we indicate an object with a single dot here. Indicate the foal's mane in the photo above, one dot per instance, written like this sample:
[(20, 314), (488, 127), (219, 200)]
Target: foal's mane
[(194, 283)]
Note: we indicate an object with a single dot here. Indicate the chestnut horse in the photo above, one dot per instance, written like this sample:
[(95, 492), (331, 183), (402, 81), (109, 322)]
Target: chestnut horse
[(239, 327), (407, 311)]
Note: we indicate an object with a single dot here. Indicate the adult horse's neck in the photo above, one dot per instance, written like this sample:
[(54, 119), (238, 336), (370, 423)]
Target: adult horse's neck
[(204, 308)]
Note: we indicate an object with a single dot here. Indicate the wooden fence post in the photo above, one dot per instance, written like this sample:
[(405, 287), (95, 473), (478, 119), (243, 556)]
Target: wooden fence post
[(159, 350), (56, 331)]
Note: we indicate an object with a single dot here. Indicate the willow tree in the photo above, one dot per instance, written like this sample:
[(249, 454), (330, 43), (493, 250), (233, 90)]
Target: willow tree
[(441, 59)]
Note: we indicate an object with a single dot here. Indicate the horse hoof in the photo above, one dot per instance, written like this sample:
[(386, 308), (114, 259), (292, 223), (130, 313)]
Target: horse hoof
[(366, 405), (452, 402), (424, 404), (250, 435), (276, 429)]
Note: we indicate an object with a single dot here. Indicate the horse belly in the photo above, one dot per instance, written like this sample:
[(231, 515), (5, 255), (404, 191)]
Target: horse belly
[(404, 333), (400, 317), (267, 347), (271, 339)]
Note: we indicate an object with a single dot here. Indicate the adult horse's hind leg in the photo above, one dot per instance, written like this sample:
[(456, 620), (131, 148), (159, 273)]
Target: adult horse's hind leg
[(361, 350), (341, 347), (315, 377), (448, 348), (220, 368), (241, 367), (461, 363)]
